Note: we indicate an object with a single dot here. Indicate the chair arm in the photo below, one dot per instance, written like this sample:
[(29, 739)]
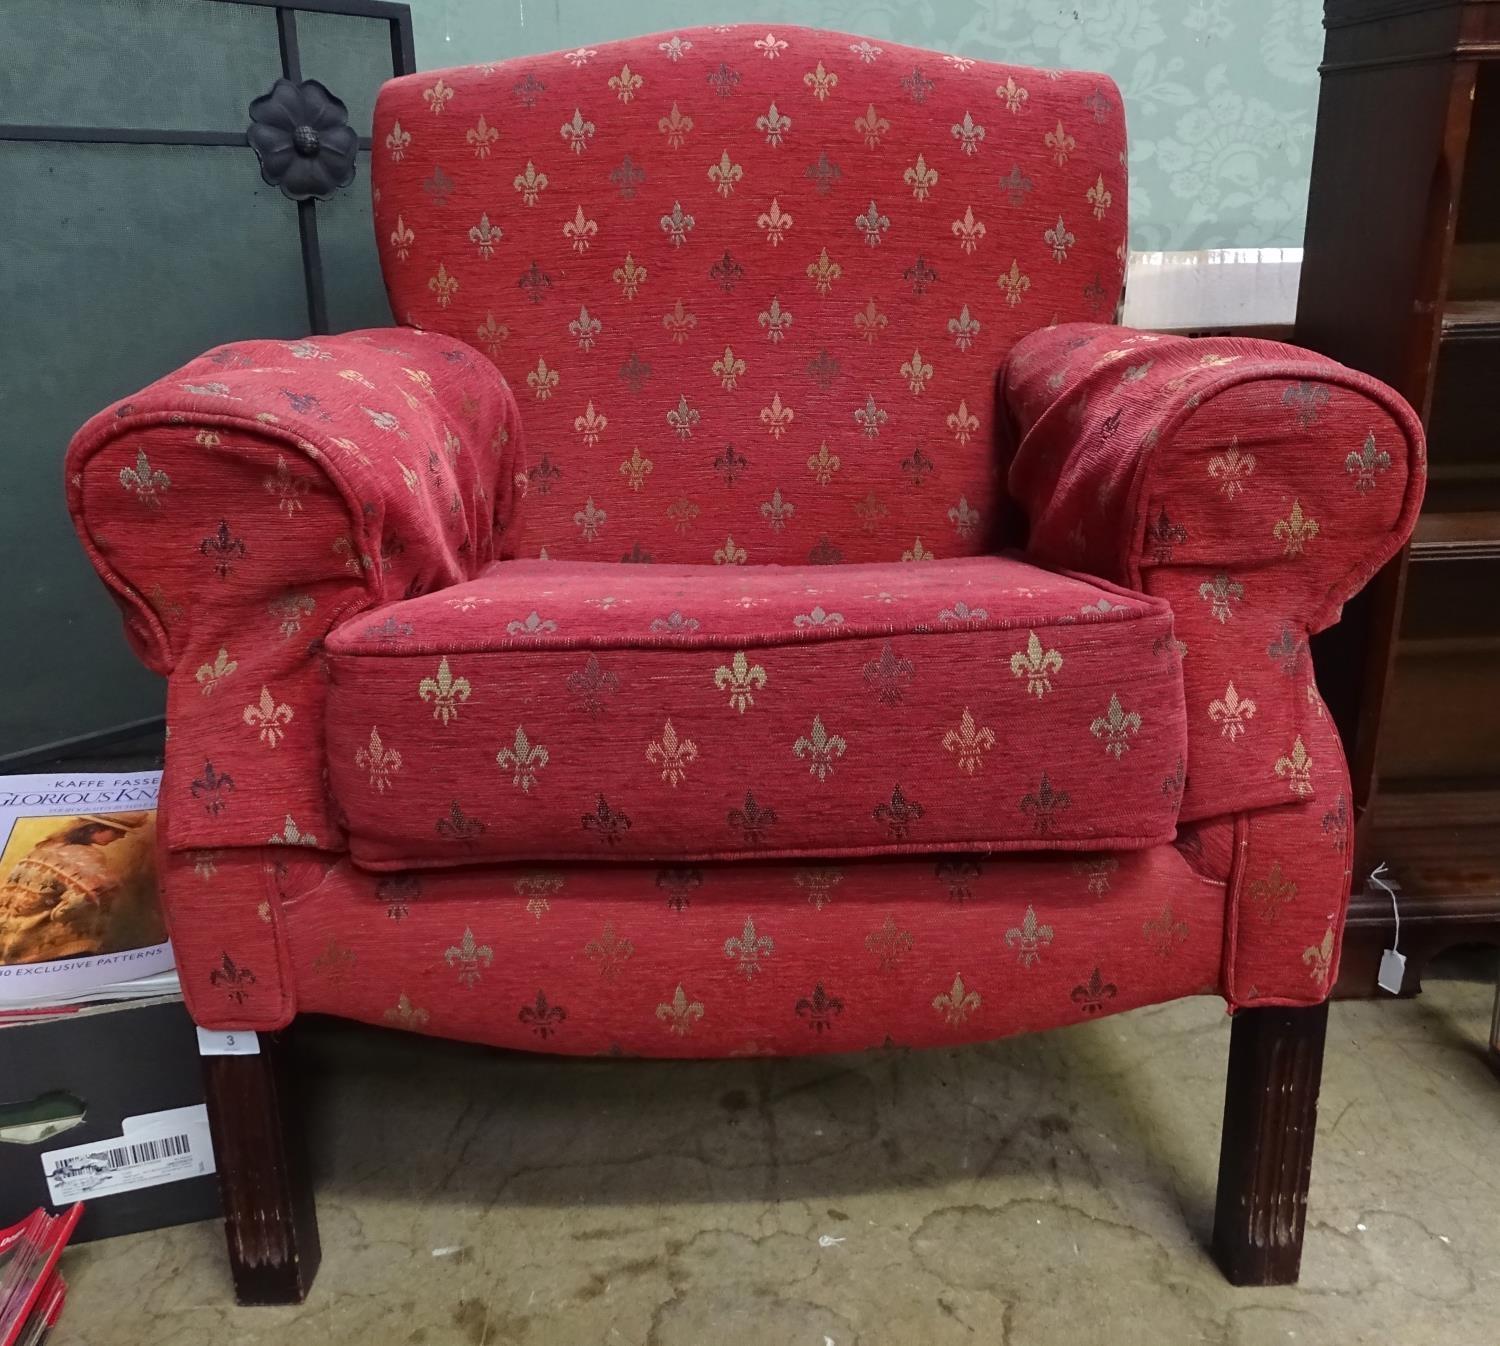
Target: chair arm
[(1255, 486), (1288, 885), (242, 506)]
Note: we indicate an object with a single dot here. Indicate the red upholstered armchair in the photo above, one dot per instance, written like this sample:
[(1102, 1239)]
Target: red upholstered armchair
[(755, 602)]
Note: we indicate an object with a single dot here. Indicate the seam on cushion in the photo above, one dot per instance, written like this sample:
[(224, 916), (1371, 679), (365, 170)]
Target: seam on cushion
[(1307, 1002), (514, 453), (165, 660), (645, 870), (1232, 888), (516, 64), (1155, 607), (1315, 369), (341, 645), (963, 846), (1245, 799), (330, 860), (795, 642), (174, 913), (201, 1013), (294, 851), (429, 646), (1192, 856), (1340, 917), (1286, 1001), (285, 970), (1009, 555)]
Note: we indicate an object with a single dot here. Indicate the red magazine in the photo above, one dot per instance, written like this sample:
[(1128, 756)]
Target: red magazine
[(48, 1310), (31, 1292)]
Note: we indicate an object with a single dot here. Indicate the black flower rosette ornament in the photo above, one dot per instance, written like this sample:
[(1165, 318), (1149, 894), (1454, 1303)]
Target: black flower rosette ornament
[(301, 134)]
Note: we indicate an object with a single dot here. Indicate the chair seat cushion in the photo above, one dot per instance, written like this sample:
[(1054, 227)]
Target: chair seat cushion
[(587, 711)]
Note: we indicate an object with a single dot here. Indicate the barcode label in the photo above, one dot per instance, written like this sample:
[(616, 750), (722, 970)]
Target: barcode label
[(148, 1152), (156, 1148)]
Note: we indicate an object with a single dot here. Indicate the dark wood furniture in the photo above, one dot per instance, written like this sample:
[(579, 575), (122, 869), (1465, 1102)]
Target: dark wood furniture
[(269, 1218), (1401, 278), (1265, 1155), (1494, 1051)]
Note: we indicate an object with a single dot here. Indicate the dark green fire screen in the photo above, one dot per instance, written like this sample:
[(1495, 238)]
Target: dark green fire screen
[(135, 232)]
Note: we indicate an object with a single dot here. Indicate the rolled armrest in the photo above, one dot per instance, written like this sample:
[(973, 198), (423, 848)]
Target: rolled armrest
[(1255, 486), (240, 507)]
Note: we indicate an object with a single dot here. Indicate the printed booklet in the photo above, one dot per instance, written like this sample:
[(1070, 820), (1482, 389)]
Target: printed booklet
[(80, 912)]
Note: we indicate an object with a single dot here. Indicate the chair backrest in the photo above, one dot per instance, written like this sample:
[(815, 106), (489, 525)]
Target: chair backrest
[(750, 287)]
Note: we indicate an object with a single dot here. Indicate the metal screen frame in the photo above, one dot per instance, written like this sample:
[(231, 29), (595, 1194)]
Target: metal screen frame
[(403, 62)]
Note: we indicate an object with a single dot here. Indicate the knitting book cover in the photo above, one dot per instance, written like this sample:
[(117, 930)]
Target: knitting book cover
[(80, 911)]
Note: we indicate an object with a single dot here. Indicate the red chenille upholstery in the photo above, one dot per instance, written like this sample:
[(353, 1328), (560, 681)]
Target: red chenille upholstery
[(1253, 485), (549, 710), (776, 958), (799, 325), (242, 506), (751, 289)]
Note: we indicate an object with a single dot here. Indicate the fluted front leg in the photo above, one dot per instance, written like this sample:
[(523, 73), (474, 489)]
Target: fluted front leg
[(1265, 1160), (269, 1220)]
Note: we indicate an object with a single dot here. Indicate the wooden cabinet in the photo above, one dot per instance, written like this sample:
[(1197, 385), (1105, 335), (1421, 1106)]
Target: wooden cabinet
[(1401, 278)]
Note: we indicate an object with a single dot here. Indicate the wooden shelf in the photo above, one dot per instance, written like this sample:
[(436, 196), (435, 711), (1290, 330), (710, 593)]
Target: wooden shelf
[(1416, 302), (1462, 472), (1447, 647), (1439, 843), (1458, 536), (1474, 269), (1471, 320)]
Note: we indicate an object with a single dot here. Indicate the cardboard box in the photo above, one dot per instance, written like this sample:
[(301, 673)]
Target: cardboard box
[(120, 1060)]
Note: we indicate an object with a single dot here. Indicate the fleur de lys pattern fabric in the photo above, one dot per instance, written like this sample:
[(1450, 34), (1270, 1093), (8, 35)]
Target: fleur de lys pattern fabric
[(549, 710), (751, 289), (776, 958), (824, 765), (242, 506), (1289, 884), (1255, 486)]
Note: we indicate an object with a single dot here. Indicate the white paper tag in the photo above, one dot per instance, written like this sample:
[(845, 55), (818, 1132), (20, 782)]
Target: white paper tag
[(156, 1148), (173, 1119), (236, 1043), (1392, 971)]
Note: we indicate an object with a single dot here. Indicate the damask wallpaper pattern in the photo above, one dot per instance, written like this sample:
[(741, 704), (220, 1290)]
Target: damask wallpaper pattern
[(1221, 95)]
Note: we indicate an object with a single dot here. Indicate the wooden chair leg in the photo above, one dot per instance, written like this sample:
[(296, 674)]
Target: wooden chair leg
[(1494, 1051), (269, 1220), (1265, 1160)]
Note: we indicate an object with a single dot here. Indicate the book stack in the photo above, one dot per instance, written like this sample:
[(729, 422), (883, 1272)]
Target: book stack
[(101, 1096), (80, 916), (32, 1289)]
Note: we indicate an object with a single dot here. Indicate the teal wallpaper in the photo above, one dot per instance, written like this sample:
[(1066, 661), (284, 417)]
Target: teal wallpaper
[(1221, 94)]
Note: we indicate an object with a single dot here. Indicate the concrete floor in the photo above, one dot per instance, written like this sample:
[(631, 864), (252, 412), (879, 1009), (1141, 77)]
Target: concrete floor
[(1051, 1189)]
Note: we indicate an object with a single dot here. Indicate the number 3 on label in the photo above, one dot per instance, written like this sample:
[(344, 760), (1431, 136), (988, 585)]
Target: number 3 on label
[(235, 1043)]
